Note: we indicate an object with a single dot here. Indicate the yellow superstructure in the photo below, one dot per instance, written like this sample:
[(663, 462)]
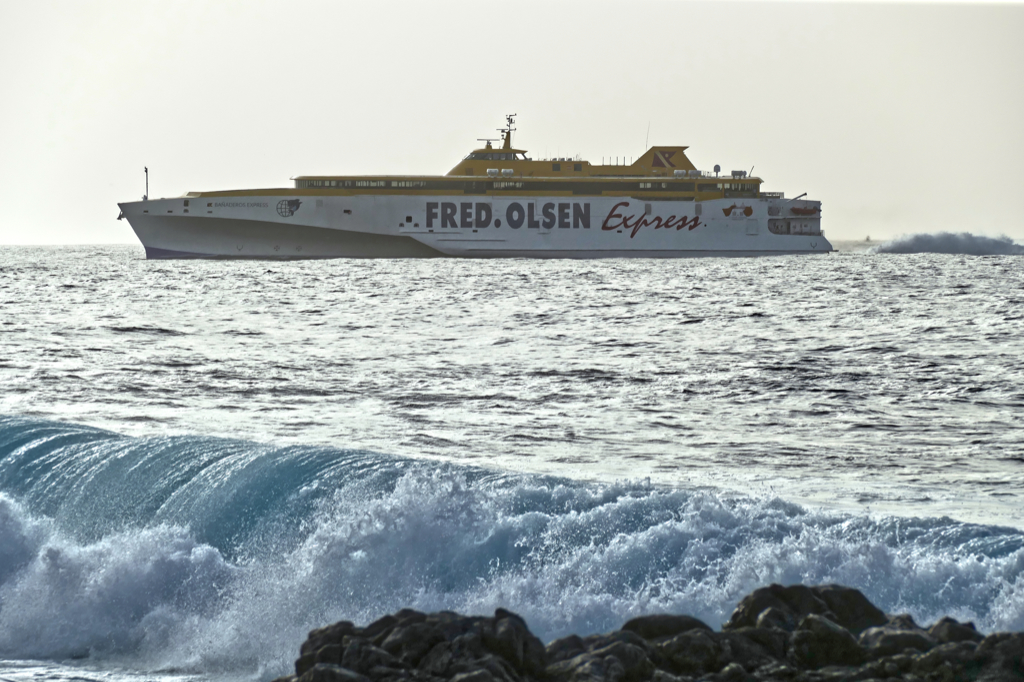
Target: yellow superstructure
[(664, 173)]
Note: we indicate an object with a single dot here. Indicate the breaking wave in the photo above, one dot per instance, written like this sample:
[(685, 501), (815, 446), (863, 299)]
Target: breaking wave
[(963, 243), (215, 555)]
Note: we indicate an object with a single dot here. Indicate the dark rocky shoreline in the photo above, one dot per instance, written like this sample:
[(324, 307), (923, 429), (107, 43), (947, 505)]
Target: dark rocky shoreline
[(790, 634)]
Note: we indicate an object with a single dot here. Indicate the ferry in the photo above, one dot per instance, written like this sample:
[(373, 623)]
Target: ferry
[(497, 202)]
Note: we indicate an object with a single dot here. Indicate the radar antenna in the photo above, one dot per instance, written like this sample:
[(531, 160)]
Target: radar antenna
[(510, 120), (488, 140)]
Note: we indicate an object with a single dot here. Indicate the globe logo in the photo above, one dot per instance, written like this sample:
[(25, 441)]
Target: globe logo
[(286, 208)]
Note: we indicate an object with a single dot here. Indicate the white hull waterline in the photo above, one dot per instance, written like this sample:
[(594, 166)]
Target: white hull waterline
[(524, 227)]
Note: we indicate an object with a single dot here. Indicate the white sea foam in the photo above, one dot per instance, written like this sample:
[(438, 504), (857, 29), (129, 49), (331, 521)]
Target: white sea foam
[(568, 557), (963, 243)]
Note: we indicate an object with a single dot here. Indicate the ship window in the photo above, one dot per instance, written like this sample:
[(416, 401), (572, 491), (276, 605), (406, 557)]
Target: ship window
[(186, 202), (556, 167), (645, 185), (408, 218), (577, 167)]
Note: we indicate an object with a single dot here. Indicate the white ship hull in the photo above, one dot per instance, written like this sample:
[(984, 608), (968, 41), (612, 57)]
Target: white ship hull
[(279, 224)]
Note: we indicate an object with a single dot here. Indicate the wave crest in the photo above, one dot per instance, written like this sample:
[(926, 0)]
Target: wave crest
[(360, 535), (963, 243)]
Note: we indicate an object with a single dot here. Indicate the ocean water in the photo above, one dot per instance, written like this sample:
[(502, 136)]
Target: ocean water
[(200, 461)]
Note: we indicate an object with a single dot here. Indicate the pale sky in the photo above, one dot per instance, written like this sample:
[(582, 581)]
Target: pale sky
[(900, 118)]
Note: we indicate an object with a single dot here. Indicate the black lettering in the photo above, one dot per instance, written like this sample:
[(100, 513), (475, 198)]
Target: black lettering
[(549, 216), (431, 213), (483, 215), (581, 215), (514, 215), (465, 214), (448, 214), (563, 216), (531, 220)]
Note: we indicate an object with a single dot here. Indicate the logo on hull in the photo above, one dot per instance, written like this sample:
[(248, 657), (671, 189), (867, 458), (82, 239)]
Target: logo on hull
[(286, 208)]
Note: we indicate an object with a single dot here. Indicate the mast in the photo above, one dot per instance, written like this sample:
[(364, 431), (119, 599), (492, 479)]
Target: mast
[(510, 120)]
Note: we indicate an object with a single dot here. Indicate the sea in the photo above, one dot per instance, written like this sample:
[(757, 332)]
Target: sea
[(200, 461)]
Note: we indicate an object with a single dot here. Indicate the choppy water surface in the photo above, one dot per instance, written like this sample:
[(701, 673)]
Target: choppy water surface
[(200, 461), (894, 383)]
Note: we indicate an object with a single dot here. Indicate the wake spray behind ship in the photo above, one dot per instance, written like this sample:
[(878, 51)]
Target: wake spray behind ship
[(495, 203)]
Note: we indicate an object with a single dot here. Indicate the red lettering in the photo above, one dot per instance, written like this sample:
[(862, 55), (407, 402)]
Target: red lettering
[(613, 214), (644, 222), (634, 226), (634, 223), (692, 223)]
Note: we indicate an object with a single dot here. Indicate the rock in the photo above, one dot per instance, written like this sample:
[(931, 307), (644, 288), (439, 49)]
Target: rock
[(776, 634), (772, 640), (379, 626), (332, 634), (887, 641), (949, 630), (565, 648), (325, 672), (514, 642), (361, 656), (1001, 656), (663, 625), (901, 621), (691, 653), (438, 659), (329, 654), (662, 676), (850, 608), (304, 663), (566, 668), (586, 668), (772, 617), (412, 642), (818, 642), (734, 672), (636, 666), (467, 646), (779, 670), (410, 616), (601, 641), (786, 606), (497, 666), (955, 654), (794, 601), (475, 676), (744, 646)]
